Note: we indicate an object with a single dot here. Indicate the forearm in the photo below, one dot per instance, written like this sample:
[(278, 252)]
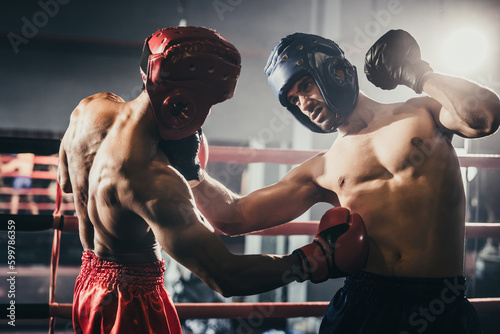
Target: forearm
[(243, 275), (217, 203), (472, 104), (205, 254)]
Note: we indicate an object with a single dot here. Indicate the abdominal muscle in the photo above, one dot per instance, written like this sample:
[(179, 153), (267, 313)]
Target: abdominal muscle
[(412, 231), (403, 177)]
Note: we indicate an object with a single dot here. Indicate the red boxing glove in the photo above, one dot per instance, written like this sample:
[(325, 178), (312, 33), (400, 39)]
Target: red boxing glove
[(339, 249)]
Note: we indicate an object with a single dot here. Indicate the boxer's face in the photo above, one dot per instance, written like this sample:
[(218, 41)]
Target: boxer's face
[(305, 94)]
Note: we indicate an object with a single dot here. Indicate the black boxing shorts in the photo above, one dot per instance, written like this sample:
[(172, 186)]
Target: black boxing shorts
[(374, 304)]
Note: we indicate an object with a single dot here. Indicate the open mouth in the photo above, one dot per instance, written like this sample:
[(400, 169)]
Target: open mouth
[(316, 112)]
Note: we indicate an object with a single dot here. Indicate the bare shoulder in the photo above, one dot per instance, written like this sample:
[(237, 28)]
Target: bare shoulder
[(160, 195), (104, 96), (425, 102), (98, 110), (426, 105), (90, 121), (311, 176), (309, 170), (96, 102)]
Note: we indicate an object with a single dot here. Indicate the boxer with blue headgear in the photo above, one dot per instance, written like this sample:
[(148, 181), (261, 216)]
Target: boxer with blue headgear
[(391, 164), (300, 55)]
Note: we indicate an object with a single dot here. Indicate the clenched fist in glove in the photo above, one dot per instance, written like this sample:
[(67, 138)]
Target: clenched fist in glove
[(395, 60), (340, 248)]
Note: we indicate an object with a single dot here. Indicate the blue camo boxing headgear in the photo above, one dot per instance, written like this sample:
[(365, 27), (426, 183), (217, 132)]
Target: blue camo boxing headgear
[(301, 54)]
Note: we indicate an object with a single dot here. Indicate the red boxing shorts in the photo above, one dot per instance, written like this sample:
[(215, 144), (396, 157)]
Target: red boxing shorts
[(117, 298)]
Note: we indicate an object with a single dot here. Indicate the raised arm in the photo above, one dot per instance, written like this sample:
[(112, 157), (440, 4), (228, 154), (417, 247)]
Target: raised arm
[(466, 108)]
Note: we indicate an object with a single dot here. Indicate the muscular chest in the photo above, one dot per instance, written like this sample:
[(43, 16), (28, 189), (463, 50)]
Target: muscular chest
[(406, 147)]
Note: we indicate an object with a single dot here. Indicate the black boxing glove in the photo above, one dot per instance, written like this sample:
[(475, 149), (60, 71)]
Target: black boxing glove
[(395, 60), (183, 154)]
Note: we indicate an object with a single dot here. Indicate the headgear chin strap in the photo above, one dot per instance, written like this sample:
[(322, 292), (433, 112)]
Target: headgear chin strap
[(301, 54), (186, 70)]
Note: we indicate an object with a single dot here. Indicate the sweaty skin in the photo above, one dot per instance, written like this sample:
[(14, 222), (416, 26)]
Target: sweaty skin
[(130, 201), (391, 163)]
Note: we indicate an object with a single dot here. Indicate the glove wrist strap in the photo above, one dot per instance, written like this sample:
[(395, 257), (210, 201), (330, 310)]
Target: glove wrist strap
[(303, 272), (419, 85), (421, 69)]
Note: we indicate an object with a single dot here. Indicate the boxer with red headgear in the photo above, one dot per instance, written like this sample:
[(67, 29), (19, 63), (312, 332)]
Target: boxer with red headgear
[(131, 200), (186, 70)]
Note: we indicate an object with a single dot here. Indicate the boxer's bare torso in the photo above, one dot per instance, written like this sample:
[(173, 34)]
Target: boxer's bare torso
[(102, 155), (401, 174)]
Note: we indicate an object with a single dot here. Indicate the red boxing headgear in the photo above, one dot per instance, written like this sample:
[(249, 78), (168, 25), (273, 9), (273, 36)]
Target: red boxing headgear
[(186, 70)]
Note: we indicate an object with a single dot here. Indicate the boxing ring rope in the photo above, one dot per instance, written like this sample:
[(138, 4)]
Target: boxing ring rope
[(245, 155), (239, 155), (225, 310), (68, 223)]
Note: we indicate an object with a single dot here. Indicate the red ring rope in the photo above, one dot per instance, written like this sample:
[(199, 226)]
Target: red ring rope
[(70, 224), (227, 310), (54, 258), (245, 155)]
